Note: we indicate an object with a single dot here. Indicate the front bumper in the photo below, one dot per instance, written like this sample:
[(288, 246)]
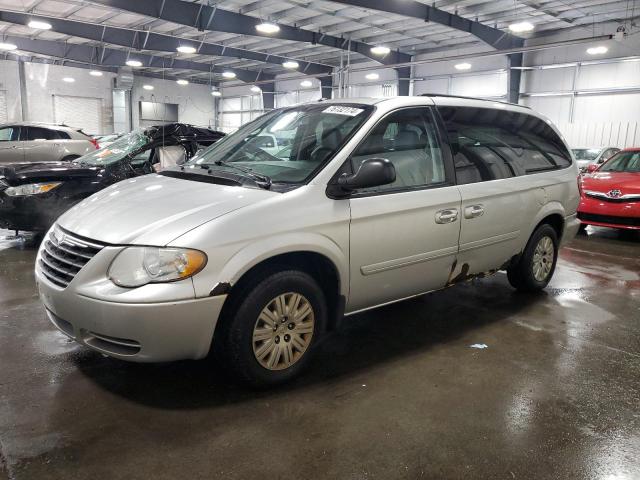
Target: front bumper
[(154, 323), (30, 213), (601, 213)]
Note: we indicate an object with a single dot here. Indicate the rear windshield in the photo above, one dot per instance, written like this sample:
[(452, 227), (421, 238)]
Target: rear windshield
[(589, 154)]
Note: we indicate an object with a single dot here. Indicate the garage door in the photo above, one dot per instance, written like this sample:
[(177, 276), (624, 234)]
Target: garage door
[(3, 107), (79, 112)]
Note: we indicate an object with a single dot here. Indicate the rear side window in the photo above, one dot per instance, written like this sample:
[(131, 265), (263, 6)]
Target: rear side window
[(37, 133), (62, 135), (490, 144)]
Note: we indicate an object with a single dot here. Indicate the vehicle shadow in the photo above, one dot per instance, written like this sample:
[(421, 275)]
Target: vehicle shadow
[(364, 341)]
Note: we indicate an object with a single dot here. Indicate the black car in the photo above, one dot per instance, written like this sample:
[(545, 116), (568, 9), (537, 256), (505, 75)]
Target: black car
[(34, 195)]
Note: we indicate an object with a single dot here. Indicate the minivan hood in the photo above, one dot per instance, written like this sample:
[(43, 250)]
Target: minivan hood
[(23, 173), (154, 209)]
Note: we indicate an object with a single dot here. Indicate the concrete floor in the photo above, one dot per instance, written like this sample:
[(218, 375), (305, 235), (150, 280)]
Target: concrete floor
[(397, 393)]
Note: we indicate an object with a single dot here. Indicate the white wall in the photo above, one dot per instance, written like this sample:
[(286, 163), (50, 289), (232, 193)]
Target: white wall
[(10, 85), (44, 81), (196, 106)]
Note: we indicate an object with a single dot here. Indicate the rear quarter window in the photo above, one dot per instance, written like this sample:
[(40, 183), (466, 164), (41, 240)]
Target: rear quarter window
[(491, 144)]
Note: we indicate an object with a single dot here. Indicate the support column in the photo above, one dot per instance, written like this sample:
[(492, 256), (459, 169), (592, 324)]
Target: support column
[(22, 78), (514, 76), (404, 80), (268, 96)]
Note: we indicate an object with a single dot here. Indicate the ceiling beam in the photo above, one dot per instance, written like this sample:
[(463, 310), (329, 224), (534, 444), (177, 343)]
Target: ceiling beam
[(210, 18), (145, 40), (109, 57), (409, 8)]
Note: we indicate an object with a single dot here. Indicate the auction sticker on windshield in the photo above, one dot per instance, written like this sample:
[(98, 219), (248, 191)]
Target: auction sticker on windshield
[(338, 110)]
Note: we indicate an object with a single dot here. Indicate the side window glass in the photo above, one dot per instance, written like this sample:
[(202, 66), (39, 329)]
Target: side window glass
[(36, 133), (9, 134), (408, 139), (493, 144)]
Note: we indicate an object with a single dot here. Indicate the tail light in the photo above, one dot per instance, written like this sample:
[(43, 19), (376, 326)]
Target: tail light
[(95, 143)]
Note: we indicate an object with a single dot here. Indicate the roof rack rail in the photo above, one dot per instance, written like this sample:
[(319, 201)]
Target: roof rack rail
[(470, 98)]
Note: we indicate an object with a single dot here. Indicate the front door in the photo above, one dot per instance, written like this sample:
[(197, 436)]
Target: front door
[(10, 145), (404, 236)]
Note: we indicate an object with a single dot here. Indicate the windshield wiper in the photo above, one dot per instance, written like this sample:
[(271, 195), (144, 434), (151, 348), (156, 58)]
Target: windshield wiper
[(263, 181)]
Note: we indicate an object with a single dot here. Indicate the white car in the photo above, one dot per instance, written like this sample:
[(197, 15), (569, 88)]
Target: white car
[(256, 258), (593, 156)]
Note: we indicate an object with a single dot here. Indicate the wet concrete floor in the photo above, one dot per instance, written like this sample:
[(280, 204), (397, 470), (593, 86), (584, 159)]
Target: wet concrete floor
[(396, 393)]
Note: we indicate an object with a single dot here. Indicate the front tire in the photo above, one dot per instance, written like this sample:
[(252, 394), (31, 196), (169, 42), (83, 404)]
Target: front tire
[(273, 324), (537, 264)]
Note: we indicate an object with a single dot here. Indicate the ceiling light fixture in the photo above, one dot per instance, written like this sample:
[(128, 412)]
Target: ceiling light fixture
[(39, 25), (182, 82), (228, 74), (291, 64), (372, 76), (95, 73), (256, 89), (134, 63), (306, 83), (267, 27), (7, 46), (463, 66), (186, 49), (380, 50), (599, 50), (69, 79), (521, 27), (216, 93), (148, 87)]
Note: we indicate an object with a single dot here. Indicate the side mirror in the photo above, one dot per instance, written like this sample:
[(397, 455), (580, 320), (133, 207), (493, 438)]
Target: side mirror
[(592, 167), (373, 172)]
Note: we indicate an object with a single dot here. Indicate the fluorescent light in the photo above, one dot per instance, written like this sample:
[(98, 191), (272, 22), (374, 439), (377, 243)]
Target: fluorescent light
[(372, 76), (380, 50), (7, 46), (182, 82), (148, 87), (306, 83), (291, 64), (256, 89), (69, 79), (267, 27), (186, 49), (228, 74), (95, 73), (134, 63), (216, 93), (521, 27), (463, 66), (39, 25), (599, 50)]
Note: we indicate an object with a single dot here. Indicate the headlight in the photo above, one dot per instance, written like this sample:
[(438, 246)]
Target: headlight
[(138, 266), (31, 189)]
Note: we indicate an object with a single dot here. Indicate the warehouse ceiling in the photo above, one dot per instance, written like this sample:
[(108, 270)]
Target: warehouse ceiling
[(337, 21)]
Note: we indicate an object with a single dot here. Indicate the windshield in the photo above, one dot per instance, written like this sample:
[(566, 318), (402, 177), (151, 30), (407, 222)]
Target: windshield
[(116, 151), (586, 153), (287, 146), (623, 162)]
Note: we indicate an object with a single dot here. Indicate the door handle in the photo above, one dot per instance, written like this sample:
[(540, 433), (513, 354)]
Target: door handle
[(474, 211), (447, 216)]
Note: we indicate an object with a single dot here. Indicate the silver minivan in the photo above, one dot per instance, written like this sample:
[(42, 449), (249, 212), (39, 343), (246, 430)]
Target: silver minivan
[(255, 257)]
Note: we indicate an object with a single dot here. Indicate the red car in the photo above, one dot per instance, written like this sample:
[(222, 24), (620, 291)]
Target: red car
[(610, 194)]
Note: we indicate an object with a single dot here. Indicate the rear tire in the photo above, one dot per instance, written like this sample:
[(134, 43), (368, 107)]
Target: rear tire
[(272, 324), (537, 264)]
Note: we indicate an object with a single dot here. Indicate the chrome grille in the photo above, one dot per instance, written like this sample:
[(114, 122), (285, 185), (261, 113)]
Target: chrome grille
[(63, 255)]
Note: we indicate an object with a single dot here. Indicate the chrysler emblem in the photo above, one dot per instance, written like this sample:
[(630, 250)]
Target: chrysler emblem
[(614, 193)]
